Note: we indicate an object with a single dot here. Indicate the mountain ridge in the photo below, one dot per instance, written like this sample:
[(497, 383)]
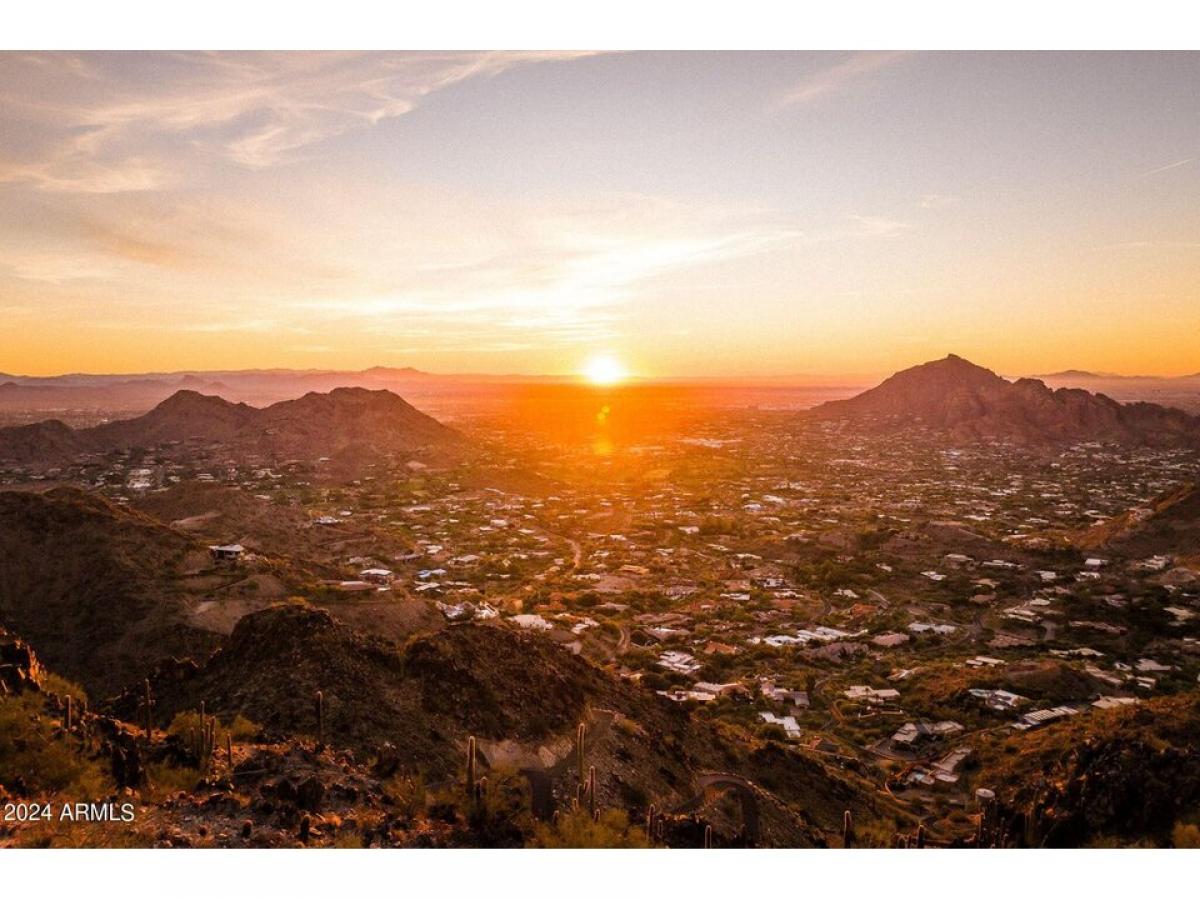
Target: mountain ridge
[(315, 422), (966, 401)]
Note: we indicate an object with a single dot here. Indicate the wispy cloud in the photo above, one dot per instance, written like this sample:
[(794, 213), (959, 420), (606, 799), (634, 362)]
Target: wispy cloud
[(101, 123), (452, 269), (565, 281), (878, 226), (938, 201), (837, 76), (1169, 166)]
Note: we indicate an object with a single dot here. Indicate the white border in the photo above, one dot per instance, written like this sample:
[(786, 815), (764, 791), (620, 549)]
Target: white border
[(615, 24), (602, 24), (599, 874)]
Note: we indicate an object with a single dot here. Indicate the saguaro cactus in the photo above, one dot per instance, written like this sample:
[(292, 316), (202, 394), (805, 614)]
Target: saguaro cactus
[(920, 837), (210, 742), (202, 741), (847, 829), (69, 711), (149, 704), (319, 703), (471, 766), (229, 748), (708, 836), (591, 791), (651, 813), (580, 737)]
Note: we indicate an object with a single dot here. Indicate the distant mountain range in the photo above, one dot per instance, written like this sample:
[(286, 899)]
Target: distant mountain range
[(1067, 374), (258, 386), (315, 424), (1182, 391), (968, 402), (84, 397)]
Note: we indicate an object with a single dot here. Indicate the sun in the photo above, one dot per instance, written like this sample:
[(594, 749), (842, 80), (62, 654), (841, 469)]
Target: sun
[(604, 371)]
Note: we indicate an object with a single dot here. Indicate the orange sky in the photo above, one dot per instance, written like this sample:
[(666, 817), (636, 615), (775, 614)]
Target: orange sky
[(687, 214)]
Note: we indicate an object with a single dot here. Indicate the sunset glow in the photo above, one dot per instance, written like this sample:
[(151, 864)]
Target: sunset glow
[(774, 214), (604, 371)]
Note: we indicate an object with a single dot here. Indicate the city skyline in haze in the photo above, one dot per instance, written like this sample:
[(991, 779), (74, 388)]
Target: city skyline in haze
[(684, 214)]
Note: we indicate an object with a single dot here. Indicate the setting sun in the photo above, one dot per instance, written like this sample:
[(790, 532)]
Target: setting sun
[(604, 370)]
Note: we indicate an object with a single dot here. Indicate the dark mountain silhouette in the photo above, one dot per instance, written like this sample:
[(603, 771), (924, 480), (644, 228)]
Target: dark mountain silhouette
[(968, 402), (322, 424)]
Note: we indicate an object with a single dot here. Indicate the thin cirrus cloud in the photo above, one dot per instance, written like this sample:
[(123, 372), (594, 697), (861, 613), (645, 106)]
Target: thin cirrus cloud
[(96, 124), (565, 287), (877, 226), (833, 78), (461, 269), (1178, 164)]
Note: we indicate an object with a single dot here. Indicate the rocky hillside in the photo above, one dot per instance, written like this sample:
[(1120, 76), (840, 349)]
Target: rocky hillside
[(104, 592), (198, 780), (1127, 774), (967, 402), (520, 696), (1168, 525)]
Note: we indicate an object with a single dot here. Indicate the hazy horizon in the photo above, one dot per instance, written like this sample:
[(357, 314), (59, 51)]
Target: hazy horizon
[(797, 379)]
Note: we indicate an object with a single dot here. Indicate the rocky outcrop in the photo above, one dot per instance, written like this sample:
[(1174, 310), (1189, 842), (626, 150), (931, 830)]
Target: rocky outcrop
[(20, 670)]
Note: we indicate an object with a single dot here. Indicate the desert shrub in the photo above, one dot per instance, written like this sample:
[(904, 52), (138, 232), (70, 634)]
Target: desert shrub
[(771, 732), (407, 793), (577, 830), (56, 684), (502, 816), (77, 835), (350, 839), (1186, 836), (36, 755), (165, 779), (240, 729)]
